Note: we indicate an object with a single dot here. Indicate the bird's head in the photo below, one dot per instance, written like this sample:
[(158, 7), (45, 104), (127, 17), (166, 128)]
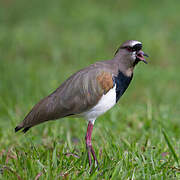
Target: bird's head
[(131, 52)]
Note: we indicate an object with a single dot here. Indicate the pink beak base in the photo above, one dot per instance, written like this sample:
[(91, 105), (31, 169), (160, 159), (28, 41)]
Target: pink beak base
[(140, 56)]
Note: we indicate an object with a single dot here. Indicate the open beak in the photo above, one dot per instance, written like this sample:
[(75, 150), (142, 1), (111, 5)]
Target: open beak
[(140, 56)]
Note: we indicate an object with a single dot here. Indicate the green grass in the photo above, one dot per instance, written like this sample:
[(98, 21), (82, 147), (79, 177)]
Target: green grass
[(44, 42)]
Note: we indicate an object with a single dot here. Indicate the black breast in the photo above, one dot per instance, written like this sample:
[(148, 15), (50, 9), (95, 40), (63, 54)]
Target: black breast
[(122, 82)]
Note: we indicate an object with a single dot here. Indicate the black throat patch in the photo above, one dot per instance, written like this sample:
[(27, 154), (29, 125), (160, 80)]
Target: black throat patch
[(122, 82)]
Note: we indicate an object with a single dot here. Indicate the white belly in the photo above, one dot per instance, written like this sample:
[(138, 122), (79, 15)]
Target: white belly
[(106, 102)]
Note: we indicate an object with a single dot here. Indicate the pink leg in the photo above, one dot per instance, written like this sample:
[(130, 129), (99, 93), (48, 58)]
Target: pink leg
[(89, 145)]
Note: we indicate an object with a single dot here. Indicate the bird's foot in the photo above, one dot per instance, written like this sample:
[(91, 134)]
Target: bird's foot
[(90, 151)]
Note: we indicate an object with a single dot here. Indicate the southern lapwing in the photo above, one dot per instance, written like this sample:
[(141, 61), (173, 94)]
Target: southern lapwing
[(90, 92)]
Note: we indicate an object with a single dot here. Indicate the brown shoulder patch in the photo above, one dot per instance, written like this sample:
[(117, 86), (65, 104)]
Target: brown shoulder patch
[(105, 80)]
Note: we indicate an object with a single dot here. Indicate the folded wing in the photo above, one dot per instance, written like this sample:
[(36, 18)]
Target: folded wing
[(77, 94)]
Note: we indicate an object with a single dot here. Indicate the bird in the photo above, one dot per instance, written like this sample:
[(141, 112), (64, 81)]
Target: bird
[(90, 92)]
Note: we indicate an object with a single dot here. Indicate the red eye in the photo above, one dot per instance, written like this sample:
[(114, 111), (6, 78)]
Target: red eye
[(129, 49)]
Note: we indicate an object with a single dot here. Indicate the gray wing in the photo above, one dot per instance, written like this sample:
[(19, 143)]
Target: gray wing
[(77, 94)]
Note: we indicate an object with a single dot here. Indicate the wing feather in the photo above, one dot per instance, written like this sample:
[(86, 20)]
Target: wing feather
[(77, 94)]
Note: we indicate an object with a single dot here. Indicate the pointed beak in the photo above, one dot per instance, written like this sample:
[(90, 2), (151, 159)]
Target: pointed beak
[(140, 56)]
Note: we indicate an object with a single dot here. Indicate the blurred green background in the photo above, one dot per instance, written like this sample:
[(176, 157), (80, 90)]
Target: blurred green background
[(44, 42)]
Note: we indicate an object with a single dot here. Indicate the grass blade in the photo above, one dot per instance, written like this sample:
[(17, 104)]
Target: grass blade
[(170, 146)]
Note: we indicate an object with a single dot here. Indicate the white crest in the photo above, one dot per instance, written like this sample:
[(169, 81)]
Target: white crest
[(134, 43)]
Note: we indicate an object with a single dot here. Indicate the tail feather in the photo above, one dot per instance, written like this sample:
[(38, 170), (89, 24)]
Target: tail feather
[(26, 129), (41, 112), (20, 127)]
